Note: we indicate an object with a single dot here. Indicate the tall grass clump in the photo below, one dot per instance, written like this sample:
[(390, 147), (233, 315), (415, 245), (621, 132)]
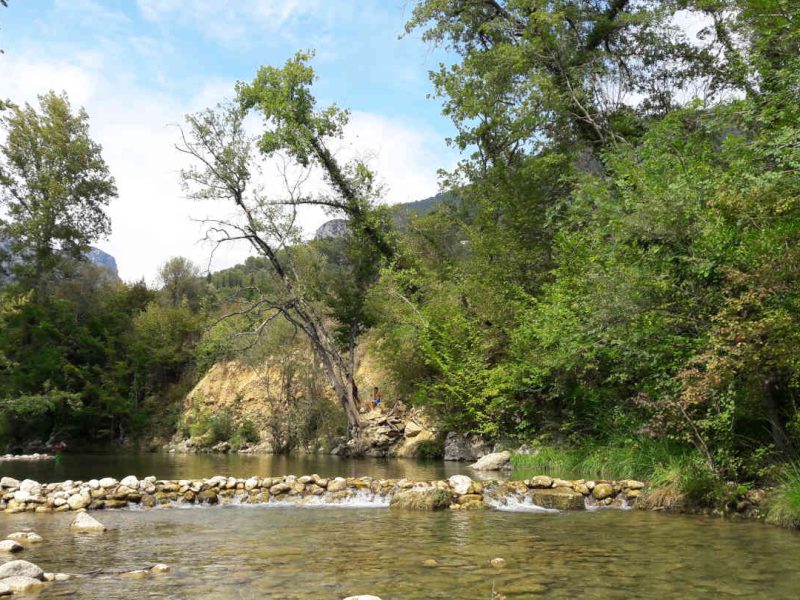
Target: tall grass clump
[(784, 507), (637, 458)]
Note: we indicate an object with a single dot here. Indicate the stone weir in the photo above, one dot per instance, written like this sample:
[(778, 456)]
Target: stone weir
[(457, 493)]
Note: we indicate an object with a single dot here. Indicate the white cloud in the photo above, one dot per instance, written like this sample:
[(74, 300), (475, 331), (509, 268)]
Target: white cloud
[(229, 21)]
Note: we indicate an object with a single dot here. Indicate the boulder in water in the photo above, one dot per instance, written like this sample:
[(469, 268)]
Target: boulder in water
[(25, 537), (559, 499), (602, 491), (431, 499), (460, 484), (20, 568), (495, 461), (85, 522), (10, 546), (19, 584)]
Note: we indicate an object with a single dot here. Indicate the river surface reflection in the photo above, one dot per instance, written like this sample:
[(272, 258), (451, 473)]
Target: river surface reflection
[(196, 466)]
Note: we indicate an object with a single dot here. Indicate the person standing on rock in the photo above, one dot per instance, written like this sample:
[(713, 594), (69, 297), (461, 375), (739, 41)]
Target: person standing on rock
[(376, 398)]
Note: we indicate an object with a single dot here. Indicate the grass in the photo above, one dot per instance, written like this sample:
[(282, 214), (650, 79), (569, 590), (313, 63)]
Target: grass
[(638, 458), (784, 507), (676, 474)]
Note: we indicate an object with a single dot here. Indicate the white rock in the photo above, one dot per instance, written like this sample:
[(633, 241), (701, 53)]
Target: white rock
[(251, 483), (493, 462), (78, 501), (108, 482), (130, 481), (94, 484), (460, 483), (25, 536), (29, 485), (22, 496), (5, 590), (159, 568), (9, 482), (21, 568), (85, 522), (10, 546)]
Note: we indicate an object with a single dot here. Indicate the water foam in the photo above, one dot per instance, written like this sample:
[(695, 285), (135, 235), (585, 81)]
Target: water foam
[(516, 503)]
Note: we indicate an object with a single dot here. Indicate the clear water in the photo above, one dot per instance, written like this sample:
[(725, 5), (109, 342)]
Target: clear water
[(196, 466), (291, 553)]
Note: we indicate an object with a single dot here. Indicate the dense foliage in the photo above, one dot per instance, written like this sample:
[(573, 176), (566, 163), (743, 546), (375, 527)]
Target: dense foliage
[(615, 261)]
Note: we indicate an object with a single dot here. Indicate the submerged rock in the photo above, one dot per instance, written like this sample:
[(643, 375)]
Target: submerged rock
[(498, 563), (495, 461), (20, 568), (21, 584), (25, 536), (86, 522), (362, 597)]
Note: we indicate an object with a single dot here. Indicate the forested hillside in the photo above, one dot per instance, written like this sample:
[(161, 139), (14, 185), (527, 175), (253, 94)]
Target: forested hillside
[(620, 268)]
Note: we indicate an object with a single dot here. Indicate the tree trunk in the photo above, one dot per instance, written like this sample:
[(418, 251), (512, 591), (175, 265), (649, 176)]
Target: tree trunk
[(779, 437)]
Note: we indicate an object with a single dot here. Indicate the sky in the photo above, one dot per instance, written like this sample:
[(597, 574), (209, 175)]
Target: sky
[(139, 66)]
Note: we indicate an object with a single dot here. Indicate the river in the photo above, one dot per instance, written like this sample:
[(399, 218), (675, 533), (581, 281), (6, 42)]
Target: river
[(195, 466), (232, 552)]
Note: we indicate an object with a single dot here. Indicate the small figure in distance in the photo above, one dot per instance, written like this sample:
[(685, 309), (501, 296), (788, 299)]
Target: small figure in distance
[(376, 398)]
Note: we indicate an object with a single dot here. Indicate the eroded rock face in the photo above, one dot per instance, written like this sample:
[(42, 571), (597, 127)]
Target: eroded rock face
[(496, 461), (465, 446)]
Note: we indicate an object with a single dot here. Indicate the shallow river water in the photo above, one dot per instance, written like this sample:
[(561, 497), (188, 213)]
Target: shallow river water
[(195, 466), (327, 552)]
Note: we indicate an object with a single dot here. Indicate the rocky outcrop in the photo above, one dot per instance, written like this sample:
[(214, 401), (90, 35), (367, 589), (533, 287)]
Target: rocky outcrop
[(458, 493), (465, 446), (399, 433)]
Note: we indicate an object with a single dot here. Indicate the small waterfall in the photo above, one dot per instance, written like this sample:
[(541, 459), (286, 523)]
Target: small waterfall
[(516, 503)]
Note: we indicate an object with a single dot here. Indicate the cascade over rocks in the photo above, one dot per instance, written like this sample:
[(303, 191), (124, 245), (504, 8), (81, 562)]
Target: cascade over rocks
[(459, 492)]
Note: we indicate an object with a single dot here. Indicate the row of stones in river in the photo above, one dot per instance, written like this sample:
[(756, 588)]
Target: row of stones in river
[(457, 493)]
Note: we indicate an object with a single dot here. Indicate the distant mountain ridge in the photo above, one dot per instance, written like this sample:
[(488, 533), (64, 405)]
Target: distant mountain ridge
[(93, 255), (401, 213)]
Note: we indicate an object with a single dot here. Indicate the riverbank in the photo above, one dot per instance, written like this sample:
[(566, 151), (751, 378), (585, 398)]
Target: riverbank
[(459, 492)]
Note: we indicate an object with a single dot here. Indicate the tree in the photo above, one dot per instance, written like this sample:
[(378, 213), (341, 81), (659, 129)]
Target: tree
[(225, 162), (180, 281), (54, 187)]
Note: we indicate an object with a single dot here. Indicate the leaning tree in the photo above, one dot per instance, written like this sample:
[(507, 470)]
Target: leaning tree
[(227, 163)]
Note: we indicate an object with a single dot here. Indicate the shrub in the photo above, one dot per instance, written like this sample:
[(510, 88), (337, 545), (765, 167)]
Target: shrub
[(784, 508), (247, 433)]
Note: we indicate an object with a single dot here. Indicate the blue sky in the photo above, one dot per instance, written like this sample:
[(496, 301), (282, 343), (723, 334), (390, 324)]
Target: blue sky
[(140, 65)]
